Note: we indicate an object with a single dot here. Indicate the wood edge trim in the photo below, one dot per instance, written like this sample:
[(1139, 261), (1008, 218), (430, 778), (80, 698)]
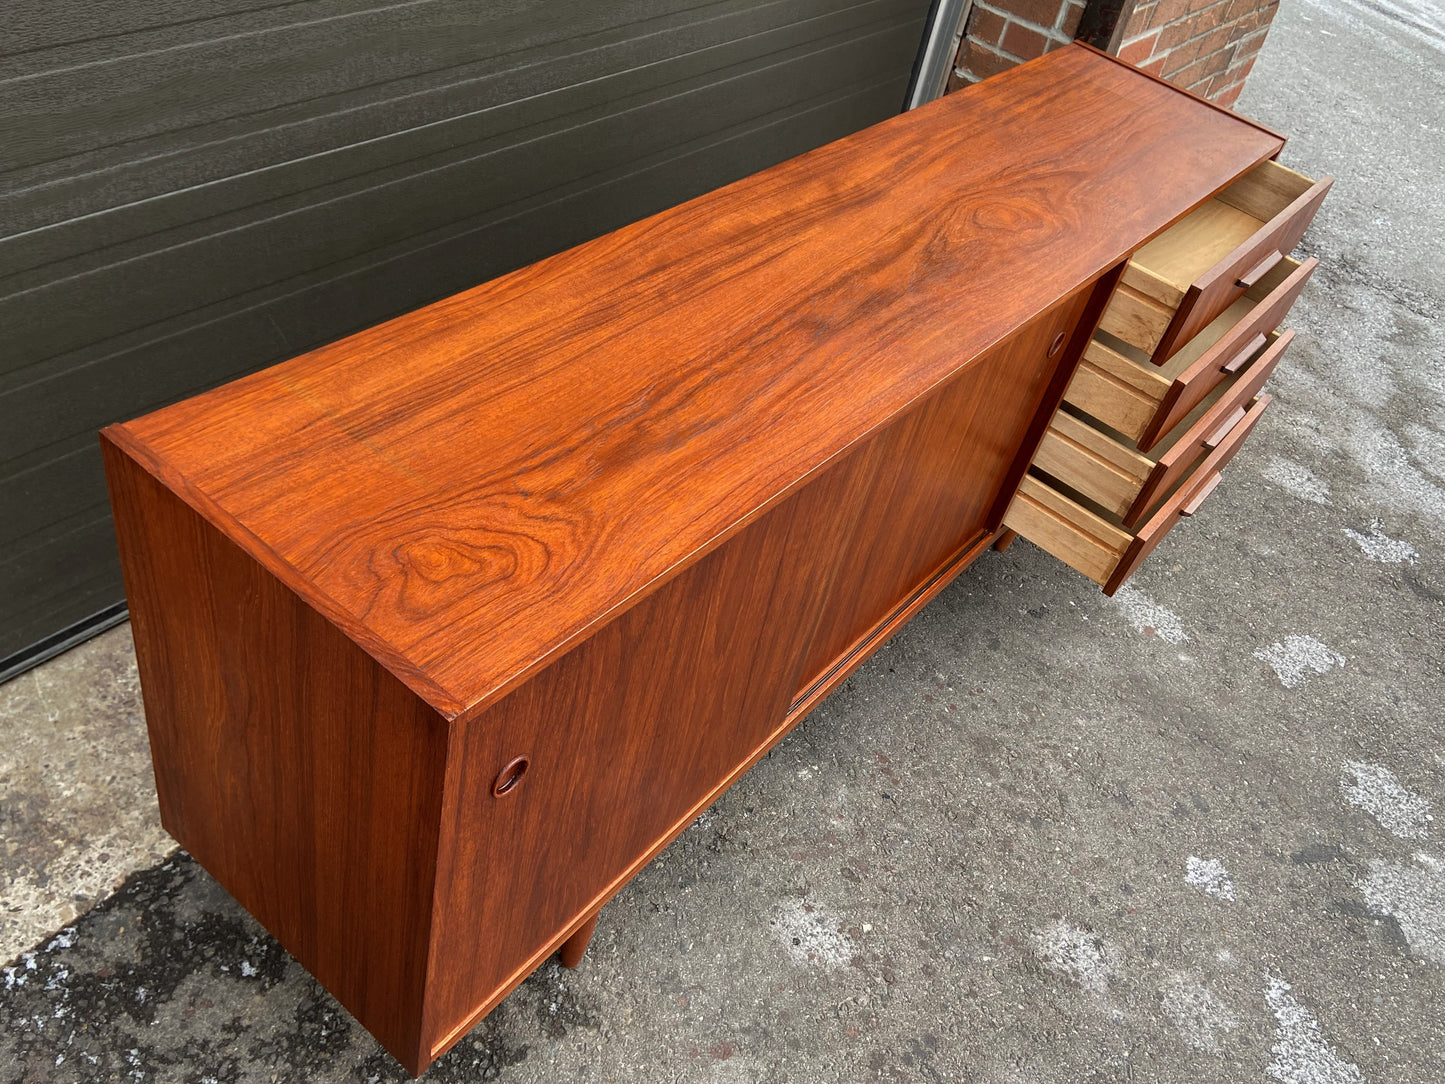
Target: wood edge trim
[(1165, 347), (443, 866), (1155, 482), (204, 506), (1190, 94)]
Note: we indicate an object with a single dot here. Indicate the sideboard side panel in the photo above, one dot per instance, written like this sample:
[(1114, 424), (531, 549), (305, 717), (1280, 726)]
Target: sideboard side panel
[(299, 773)]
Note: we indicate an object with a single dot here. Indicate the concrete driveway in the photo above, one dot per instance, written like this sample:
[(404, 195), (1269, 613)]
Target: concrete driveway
[(1184, 835)]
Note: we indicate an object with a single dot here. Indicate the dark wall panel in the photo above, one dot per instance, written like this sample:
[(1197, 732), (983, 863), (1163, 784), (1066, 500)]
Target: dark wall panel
[(191, 191)]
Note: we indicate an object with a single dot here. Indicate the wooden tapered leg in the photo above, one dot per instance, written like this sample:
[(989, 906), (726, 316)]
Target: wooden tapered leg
[(1005, 540), (575, 946)]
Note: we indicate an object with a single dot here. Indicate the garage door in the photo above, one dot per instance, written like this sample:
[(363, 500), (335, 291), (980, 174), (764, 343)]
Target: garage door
[(193, 189)]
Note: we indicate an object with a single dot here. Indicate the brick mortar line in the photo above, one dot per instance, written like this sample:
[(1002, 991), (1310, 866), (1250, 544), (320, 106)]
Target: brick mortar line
[(1190, 16), (1206, 56), (1053, 33), (1064, 9), (999, 49), (1185, 21), (1259, 32)]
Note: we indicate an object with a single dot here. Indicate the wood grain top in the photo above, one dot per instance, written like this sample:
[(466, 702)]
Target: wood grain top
[(469, 489)]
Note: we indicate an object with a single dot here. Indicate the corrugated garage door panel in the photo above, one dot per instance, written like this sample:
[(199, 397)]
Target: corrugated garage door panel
[(192, 190)]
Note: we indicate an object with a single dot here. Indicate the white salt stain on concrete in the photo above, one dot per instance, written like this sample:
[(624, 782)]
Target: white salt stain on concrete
[(810, 935), (1376, 790), (1296, 656), (1148, 617), (1378, 546), (1301, 1053), (1297, 479), (1414, 896), (1078, 955), (1197, 1012), (1210, 875)]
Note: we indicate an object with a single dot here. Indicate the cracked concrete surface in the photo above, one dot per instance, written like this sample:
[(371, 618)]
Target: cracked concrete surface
[(1186, 834)]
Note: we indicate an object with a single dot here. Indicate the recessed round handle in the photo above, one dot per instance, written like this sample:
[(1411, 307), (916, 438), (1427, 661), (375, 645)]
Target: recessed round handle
[(508, 778), (1057, 344)]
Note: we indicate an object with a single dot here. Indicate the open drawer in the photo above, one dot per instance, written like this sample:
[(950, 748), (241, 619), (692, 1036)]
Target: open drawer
[(1181, 280), (1116, 384), (1112, 473), (1095, 542)]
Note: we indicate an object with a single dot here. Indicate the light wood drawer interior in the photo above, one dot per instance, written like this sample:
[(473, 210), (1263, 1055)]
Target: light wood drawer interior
[(1117, 385), (1095, 541), (1206, 258), (1109, 469)]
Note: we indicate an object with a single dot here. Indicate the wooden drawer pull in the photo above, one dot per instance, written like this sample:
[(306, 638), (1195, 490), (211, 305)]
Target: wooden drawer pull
[(510, 775), (1234, 364), (1258, 271), (1225, 429), (1193, 506)]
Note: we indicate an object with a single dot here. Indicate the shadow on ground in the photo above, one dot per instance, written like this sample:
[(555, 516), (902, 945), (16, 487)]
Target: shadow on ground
[(169, 979)]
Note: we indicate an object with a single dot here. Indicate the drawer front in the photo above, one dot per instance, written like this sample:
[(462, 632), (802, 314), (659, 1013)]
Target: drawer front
[(1186, 500), (1105, 551), (1128, 483), (1192, 386), (1209, 432), (1227, 281)]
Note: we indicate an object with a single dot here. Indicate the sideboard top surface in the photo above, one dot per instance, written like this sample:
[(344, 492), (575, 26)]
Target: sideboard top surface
[(468, 489)]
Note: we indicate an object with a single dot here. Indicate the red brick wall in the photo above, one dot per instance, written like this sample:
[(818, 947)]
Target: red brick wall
[(1207, 46), (1001, 33)]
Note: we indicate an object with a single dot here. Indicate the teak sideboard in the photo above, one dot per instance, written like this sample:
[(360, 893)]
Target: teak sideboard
[(446, 629)]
